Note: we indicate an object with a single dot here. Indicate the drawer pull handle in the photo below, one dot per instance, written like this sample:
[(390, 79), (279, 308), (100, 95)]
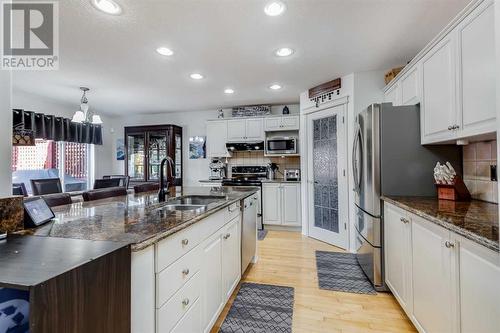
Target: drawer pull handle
[(185, 301), (185, 271), (449, 244), (226, 236), (405, 221), (185, 241)]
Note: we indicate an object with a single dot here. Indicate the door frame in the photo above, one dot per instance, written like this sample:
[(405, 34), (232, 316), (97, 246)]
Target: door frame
[(308, 192)]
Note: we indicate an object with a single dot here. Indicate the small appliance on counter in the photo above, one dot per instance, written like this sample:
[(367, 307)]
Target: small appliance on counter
[(272, 168), (217, 169), (291, 175)]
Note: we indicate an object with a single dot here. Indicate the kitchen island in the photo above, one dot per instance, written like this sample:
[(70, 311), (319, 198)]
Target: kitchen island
[(186, 252)]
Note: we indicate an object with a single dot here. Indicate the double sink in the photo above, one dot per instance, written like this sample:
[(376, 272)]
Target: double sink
[(191, 203)]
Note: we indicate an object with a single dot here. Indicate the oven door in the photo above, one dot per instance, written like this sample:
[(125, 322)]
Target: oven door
[(281, 146)]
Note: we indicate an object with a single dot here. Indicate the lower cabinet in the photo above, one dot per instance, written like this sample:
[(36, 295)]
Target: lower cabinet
[(212, 280), (433, 281), (443, 281), (182, 283), (281, 204)]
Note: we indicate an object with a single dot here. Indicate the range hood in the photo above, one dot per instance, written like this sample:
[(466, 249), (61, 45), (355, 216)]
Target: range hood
[(245, 146)]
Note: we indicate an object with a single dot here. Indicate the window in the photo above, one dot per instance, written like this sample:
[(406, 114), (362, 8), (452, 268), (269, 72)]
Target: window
[(46, 160)]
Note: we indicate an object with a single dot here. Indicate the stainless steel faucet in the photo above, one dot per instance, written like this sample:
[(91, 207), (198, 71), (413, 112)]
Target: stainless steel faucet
[(162, 193)]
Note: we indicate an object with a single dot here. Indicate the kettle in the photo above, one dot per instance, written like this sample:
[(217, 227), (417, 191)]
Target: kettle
[(271, 171)]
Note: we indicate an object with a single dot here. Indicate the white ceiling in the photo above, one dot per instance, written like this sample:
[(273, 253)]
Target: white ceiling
[(232, 43)]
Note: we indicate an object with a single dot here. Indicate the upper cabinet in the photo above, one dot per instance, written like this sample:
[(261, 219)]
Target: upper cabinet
[(217, 137), (285, 123), (241, 130), (438, 112), (453, 79), (476, 43)]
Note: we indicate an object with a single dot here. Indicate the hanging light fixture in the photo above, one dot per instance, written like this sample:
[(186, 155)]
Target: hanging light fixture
[(84, 115)]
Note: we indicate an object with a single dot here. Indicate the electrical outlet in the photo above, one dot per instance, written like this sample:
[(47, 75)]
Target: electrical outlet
[(493, 172)]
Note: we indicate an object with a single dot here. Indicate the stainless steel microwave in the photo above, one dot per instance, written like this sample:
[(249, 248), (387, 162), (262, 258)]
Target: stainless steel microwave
[(285, 145)]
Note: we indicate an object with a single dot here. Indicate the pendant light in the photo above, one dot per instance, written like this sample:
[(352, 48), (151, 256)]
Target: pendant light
[(84, 115)]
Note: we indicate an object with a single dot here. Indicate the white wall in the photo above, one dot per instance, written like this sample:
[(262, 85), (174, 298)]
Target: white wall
[(497, 29), (5, 133)]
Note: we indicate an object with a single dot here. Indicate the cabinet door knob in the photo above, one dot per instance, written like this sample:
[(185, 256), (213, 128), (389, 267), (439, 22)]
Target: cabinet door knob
[(456, 127), (226, 236), (450, 128), (405, 221), (185, 301), (185, 271), (449, 244), (185, 241)]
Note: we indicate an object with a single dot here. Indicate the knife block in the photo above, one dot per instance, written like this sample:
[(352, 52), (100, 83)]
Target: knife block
[(457, 191)]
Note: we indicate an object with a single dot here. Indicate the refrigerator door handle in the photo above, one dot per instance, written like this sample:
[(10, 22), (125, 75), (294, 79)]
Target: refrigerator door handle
[(356, 164)]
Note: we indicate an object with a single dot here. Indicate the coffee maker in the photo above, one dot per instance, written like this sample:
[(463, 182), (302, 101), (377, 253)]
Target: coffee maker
[(217, 169)]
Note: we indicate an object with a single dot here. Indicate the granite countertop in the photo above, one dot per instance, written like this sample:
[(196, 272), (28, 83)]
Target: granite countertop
[(278, 180), (474, 220), (132, 219)]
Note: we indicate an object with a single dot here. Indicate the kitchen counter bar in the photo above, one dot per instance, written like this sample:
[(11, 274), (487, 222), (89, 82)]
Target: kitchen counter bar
[(474, 220), (133, 219)]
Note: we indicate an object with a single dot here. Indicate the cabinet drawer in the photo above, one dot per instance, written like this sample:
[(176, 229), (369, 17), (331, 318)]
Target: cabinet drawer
[(176, 275), (191, 322), (175, 246), (170, 313), (232, 211)]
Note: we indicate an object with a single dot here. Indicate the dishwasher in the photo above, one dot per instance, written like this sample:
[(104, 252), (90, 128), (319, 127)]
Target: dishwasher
[(248, 231)]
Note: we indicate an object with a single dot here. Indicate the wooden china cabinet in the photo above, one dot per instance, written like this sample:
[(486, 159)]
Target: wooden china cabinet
[(146, 146)]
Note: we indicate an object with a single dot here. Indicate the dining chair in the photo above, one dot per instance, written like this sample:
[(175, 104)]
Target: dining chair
[(104, 193), (146, 187), (57, 199), (124, 180), (106, 183), (19, 189), (46, 186)]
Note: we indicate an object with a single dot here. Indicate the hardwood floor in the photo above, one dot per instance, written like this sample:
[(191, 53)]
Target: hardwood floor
[(288, 259)]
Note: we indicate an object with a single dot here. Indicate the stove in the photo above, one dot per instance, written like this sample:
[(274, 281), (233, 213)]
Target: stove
[(248, 176)]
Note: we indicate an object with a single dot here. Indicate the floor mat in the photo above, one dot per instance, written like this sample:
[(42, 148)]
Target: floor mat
[(341, 272), (260, 308), (261, 234)]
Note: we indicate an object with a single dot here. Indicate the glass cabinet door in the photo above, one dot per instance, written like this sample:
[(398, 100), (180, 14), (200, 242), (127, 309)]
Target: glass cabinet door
[(157, 151), (178, 159), (136, 156)]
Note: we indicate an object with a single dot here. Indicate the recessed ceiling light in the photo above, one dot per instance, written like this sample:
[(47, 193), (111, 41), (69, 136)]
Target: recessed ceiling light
[(228, 91), (107, 6), (284, 52), (196, 76), (164, 51), (275, 87), (275, 8)]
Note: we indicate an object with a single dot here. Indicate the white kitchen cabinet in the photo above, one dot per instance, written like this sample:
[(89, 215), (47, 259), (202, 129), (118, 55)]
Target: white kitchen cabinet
[(284, 123), (290, 194), (241, 130), (439, 116), (393, 95), (398, 255), (271, 196), (476, 44), (433, 277), (479, 272), (231, 257), (410, 87), (281, 204), (217, 138), (212, 280)]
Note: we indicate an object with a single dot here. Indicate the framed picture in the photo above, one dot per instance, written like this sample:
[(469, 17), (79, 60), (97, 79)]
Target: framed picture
[(120, 150), (197, 147)]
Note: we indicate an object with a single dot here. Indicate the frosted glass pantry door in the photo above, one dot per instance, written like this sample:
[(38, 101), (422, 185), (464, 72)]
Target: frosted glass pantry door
[(326, 176)]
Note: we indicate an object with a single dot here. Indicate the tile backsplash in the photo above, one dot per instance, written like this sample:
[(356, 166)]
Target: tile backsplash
[(477, 159), (258, 158)]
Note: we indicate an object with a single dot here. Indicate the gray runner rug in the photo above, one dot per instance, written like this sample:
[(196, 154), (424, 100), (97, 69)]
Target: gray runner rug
[(260, 308), (341, 272)]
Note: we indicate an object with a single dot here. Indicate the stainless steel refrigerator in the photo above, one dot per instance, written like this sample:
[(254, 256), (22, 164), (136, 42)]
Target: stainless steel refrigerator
[(388, 159)]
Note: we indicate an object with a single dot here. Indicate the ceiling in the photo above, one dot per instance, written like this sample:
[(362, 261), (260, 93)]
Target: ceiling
[(232, 43)]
